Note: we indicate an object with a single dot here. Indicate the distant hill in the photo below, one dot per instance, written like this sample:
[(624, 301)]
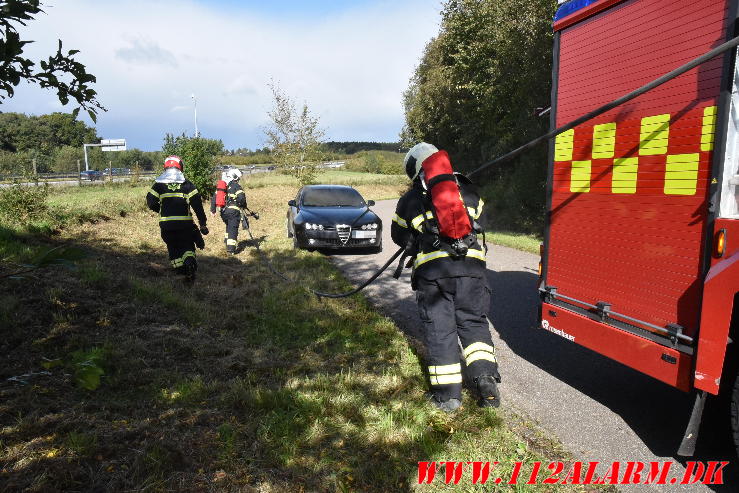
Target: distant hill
[(354, 147)]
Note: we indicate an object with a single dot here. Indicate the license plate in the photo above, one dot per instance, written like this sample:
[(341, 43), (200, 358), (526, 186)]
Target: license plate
[(364, 234)]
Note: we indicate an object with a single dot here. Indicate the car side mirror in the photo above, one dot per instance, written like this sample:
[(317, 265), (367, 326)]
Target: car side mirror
[(370, 203), (292, 203)]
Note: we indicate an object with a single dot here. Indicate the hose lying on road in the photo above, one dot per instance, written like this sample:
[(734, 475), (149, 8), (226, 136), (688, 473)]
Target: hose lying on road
[(505, 157)]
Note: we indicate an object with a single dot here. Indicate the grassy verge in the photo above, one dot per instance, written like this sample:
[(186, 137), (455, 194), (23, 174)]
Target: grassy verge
[(127, 380), (519, 241)]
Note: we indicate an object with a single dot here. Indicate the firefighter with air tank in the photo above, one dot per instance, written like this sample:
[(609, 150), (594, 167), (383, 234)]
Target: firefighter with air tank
[(173, 197), (231, 200), (436, 220)]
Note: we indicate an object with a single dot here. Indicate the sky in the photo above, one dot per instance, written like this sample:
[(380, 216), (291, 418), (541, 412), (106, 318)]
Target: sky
[(350, 61)]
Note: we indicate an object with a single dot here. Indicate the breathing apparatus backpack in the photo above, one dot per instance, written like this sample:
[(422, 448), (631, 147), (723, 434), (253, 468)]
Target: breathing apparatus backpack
[(221, 188), (453, 229)]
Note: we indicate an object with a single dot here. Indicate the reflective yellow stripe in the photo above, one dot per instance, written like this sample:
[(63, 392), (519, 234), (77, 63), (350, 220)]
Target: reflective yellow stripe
[(478, 254), (417, 221), (604, 141), (655, 135), (472, 212), (179, 262), (563, 145), (478, 346), (445, 369), (400, 221), (479, 351), (681, 174), (235, 194), (229, 241), (170, 195), (155, 194), (192, 194), (480, 204), (446, 379), (176, 218), (427, 257), (481, 355), (233, 207), (580, 177), (709, 128)]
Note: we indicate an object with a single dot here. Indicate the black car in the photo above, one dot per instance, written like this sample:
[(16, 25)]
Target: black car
[(333, 216)]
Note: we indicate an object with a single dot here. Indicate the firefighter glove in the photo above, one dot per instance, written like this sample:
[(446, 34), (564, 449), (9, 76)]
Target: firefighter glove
[(204, 230)]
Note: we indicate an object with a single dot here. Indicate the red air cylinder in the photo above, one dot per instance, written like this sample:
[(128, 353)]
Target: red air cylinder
[(221, 188), (451, 213)]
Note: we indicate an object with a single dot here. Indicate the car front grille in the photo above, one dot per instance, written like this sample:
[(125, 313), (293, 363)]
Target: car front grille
[(344, 231)]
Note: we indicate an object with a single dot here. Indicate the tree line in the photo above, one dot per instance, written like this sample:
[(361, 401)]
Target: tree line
[(53, 144), (355, 147), (475, 94)]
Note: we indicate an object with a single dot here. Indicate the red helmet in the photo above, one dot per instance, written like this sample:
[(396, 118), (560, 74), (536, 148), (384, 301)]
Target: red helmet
[(173, 162)]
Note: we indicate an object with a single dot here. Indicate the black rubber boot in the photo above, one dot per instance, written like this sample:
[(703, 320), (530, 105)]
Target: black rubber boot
[(447, 406), (190, 267), (487, 389)]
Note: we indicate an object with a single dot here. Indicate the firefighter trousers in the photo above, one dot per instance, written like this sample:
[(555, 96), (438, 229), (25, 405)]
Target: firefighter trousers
[(181, 247), (232, 218), (454, 309)]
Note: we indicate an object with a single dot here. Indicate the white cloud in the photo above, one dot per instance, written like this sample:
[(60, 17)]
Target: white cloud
[(150, 56)]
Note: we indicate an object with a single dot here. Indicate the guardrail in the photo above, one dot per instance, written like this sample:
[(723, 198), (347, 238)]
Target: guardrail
[(62, 176)]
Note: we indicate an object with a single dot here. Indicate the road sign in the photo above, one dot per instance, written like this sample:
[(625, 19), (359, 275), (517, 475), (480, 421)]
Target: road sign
[(113, 145)]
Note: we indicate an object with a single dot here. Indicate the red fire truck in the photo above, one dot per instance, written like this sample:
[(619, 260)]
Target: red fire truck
[(641, 255)]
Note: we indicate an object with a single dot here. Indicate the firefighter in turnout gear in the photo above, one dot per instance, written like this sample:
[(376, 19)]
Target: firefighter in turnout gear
[(172, 196), (449, 279), (231, 209)]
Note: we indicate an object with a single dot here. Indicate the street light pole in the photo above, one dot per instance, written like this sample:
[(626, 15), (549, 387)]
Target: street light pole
[(195, 101)]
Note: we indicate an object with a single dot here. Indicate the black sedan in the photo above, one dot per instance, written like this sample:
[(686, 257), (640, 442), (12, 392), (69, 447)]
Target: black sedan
[(333, 216)]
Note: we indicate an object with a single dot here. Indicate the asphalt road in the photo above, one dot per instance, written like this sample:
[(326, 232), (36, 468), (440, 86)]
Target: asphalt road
[(599, 409)]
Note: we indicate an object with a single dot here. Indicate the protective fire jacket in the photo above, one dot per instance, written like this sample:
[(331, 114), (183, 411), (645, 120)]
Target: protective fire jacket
[(173, 202), (413, 219), (235, 198)]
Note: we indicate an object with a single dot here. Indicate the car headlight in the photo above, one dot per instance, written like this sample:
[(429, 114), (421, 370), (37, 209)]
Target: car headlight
[(313, 226), (308, 226), (369, 226)]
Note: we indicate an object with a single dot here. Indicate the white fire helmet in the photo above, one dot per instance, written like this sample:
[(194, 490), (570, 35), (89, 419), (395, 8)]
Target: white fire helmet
[(415, 158)]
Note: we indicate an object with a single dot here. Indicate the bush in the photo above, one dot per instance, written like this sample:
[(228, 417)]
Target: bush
[(380, 162), (22, 203), (198, 154)]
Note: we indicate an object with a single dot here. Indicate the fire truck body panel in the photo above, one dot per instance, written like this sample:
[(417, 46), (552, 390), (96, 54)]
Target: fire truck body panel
[(625, 249)]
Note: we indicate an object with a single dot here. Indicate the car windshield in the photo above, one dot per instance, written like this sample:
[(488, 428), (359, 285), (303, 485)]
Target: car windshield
[(332, 197)]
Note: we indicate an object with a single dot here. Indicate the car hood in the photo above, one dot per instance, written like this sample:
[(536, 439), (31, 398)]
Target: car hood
[(336, 215)]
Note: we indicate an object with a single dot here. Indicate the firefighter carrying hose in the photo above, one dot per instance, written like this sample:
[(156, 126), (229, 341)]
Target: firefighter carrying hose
[(172, 196), (231, 200), (437, 222)]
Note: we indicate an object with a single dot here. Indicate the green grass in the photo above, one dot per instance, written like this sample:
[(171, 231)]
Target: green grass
[(339, 177), (519, 241), (241, 382)]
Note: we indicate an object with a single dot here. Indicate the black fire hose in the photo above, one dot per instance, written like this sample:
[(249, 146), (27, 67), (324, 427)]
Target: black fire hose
[(613, 104), (321, 294)]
